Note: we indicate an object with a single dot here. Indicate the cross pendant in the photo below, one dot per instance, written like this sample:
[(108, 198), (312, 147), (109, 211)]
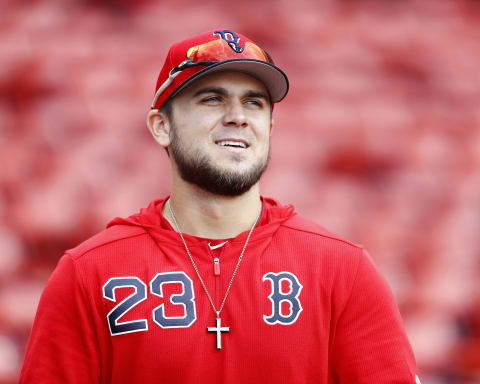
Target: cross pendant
[(219, 329)]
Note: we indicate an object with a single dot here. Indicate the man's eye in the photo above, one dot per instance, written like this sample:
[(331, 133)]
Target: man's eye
[(211, 99), (254, 102)]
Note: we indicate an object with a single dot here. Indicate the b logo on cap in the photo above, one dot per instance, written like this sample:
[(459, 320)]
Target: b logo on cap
[(231, 38)]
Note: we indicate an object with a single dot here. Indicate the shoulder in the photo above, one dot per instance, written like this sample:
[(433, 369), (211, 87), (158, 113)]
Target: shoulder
[(307, 228), (313, 245), (110, 236)]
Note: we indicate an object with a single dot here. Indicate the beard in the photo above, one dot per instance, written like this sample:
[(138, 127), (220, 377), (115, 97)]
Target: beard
[(198, 169)]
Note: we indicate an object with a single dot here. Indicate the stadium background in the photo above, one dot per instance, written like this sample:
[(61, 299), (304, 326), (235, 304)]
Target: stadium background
[(378, 140)]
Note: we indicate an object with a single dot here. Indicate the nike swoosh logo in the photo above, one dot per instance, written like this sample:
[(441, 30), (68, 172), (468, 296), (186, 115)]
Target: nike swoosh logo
[(212, 247)]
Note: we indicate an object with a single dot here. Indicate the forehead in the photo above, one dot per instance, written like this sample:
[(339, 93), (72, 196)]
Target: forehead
[(232, 82)]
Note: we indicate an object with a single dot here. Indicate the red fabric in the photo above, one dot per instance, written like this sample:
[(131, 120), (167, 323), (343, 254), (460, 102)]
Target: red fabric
[(349, 329)]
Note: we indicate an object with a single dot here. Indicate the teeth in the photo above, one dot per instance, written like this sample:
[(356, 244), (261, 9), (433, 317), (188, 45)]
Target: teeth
[(238, 144)]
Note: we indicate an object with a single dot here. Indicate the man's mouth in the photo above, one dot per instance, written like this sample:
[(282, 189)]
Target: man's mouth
[(232, 143)]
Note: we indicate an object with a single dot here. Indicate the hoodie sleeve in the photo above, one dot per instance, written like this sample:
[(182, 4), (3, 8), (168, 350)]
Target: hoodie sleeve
[(371, 345), (62, 347)]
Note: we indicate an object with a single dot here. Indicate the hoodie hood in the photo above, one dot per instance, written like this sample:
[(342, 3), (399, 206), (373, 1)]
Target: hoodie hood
[(152, 221)]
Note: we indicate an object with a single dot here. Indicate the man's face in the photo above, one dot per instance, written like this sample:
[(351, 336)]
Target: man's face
[(220, 132)]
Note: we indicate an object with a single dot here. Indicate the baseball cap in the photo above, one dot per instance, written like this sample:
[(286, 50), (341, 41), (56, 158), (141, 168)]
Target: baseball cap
[(215, 51)]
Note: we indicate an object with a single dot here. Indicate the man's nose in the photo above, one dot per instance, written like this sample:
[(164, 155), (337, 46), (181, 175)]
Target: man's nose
[(235, 114)]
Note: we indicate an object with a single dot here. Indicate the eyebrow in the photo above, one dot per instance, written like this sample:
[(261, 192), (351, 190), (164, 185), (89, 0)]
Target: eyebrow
[(217, 90), (258, 94), (224, 92)]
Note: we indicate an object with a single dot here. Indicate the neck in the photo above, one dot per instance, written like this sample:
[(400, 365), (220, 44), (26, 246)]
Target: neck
[(203, 214)]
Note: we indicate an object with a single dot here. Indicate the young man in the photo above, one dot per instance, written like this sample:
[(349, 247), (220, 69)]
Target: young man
[(216, 284)]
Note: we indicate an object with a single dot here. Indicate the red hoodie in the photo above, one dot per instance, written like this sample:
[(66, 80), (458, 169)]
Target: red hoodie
[(126, 306)]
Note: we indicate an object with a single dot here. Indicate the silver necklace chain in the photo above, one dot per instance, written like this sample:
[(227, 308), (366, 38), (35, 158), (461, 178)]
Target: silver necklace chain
[(177, 228)]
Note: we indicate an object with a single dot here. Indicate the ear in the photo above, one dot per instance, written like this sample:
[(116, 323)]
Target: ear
[(271, 126), (159, 126)]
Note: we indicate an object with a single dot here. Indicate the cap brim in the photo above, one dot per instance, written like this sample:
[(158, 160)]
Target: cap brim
[(274, 79)]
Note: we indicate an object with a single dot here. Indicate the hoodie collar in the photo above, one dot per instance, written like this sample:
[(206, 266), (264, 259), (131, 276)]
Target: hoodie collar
[(152, 220)]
